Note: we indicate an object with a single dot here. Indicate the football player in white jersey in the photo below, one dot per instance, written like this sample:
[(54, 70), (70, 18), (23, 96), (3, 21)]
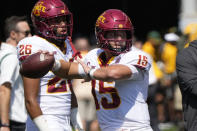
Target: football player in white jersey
[(119, 75), (49, 100)]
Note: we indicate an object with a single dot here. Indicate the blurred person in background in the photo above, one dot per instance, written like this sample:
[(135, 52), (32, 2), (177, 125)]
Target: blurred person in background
[(83, 90), (169, 52), (82, 44), (186, 67), (152, 47), (12, 106), (137, 43), (152, 44), (168, 57), (190, 33)]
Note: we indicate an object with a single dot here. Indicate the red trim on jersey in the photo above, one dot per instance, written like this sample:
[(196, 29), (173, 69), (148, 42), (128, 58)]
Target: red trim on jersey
[(102, 62), (22, 58), (53, 89), (71, 44), (141, 67), (94, 94), (75, 52)]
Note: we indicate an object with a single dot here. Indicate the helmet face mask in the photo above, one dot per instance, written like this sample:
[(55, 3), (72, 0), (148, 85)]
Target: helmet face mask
[(56, 29), (116, 41), (114, 21), (47, 17)]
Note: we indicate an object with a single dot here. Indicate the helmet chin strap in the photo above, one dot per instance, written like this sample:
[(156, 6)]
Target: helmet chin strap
[(56, 40), (117, 51)]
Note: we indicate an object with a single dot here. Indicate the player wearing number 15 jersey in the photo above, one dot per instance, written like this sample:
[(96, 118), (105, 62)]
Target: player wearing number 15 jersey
[(49, 99), (119, 75), (121, 104)]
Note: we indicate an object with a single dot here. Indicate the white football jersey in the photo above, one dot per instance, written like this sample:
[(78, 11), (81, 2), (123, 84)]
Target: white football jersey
[(55, 95), (122, 104)]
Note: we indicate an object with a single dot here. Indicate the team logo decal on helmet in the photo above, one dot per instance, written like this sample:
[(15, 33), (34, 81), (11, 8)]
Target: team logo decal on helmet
[(113, 20), (101, 18), (38, 8)]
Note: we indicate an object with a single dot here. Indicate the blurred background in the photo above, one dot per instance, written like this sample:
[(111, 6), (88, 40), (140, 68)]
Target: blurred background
[(161, 28), (145, 15)]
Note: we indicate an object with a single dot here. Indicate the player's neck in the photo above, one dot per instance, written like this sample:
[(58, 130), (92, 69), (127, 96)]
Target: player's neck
[(59, 44), (105, 57), (108, 55), (62, 47)]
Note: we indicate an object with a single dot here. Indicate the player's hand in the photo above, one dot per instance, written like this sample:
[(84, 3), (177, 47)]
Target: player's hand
[(77, 55), (4, 129), (47, 52), (87, 79), (55, 68), (86, 69)]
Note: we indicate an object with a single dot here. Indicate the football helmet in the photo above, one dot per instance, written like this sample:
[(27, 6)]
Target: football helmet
[(113, 20), (45, 15)]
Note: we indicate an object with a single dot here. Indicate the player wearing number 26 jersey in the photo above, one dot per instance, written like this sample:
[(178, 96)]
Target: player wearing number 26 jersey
[(54, 97), (54, 91), (49, 100)]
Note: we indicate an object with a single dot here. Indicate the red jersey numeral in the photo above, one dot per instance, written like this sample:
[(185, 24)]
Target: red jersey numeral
[(142, 61), (52, 85), (104, 102), (25, 49)]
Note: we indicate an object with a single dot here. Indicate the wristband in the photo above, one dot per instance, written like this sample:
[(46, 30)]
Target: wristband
[(5, 125), (91, 73), (81, 71), (41, 123), (56, 65)]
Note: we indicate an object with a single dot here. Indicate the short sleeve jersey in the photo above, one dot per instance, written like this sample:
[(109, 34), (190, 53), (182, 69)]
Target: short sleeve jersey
[(9, 72), (55, 95), (122, 103)]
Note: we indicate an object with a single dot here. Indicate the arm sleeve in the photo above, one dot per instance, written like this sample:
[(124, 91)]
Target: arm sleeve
[(187, 73), (137, 73), (139, 63), (8, 69)]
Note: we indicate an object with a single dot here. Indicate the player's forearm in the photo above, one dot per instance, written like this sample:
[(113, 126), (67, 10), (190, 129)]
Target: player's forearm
[(5, 93), (102, 74), (68, 70), (31, 90), (61, 68), (33, 108), (74, 71), (112, 73)]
